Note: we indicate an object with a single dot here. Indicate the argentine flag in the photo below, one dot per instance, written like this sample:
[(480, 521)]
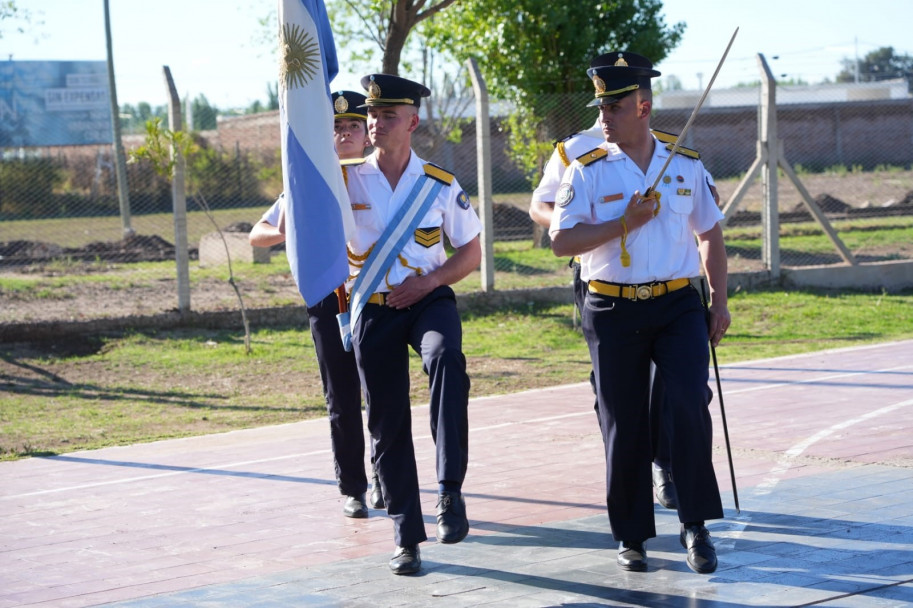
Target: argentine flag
[(318, 214)]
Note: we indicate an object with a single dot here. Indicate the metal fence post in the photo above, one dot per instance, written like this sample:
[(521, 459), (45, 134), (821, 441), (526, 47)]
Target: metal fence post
[(123, 190), (767, 127), (483, 160), (179, 199)]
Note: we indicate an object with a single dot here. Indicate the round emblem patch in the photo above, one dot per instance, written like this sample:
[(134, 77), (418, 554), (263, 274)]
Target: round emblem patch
[(463, 200), (565, 195)]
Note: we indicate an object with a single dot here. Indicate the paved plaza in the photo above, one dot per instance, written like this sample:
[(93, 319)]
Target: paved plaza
[(823, 453)]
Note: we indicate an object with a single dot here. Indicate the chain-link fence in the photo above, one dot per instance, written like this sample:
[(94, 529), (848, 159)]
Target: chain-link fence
[(67, 251)]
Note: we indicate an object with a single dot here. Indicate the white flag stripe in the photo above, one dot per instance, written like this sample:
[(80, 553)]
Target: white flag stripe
[(313, 133)]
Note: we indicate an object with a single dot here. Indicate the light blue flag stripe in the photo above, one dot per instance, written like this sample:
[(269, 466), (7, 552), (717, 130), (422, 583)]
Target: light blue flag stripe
[(318, 260), (318, 214)]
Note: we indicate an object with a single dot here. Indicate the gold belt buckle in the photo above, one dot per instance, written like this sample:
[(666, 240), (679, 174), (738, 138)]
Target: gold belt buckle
[(644, 292)]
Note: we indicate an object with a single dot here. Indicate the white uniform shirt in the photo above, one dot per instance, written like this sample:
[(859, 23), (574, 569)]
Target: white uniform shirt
[(661, 250), (575, 145), (271, 216), (374, 205)]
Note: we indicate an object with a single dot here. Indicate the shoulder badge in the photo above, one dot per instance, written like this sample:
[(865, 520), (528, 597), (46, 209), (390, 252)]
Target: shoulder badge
[(592, 156), (435, 172), (463, 200), (565, 195)]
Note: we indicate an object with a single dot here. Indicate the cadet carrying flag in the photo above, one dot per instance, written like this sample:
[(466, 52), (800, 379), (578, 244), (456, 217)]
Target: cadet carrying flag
[(318, 215)]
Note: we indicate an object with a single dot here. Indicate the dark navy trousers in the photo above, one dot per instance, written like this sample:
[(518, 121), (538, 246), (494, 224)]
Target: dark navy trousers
[(382, 337), (658, 435), (623, 337), (342, 391)]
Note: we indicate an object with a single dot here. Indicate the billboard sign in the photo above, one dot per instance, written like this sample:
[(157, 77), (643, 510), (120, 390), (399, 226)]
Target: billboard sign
[(54, 103)]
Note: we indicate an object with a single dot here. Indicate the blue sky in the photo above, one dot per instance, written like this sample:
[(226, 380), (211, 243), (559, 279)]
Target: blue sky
[(216, 52)]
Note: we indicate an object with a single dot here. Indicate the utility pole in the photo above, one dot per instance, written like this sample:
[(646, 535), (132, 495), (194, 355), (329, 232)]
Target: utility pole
[(856, 63), (120, 163)]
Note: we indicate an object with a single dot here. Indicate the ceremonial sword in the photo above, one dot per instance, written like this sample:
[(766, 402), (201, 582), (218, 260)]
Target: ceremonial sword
[(716, 369), (691, 118)]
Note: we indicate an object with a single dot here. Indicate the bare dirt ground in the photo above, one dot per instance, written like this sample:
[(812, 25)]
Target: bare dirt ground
[(124, 293)]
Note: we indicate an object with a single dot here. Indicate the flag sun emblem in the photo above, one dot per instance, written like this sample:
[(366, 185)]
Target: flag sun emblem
[(300, 56)]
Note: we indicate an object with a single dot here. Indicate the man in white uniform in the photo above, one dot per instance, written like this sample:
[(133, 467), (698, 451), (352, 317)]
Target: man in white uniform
[(541, 209), (412, 306), (637, 254)]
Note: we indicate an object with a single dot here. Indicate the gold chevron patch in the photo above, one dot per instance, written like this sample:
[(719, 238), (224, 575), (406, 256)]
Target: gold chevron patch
[(428, 237)]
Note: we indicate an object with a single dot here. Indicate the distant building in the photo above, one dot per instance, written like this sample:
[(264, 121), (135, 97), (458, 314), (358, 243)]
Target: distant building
[(787, 94)]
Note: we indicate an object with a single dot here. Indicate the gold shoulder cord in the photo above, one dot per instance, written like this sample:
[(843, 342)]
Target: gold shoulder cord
[(625, 256), (358, 261), (562, 153)]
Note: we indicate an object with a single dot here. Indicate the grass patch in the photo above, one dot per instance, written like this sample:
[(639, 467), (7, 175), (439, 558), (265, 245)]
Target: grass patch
[(94, 392)]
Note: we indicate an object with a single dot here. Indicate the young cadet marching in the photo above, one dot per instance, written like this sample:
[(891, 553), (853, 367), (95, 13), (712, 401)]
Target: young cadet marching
[(400, 298), (338, 372), (541, 209), (637, 254)]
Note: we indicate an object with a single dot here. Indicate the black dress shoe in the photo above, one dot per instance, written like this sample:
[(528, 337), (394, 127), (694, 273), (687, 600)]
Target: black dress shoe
[(452, 525), (632, 556), (355, 507), (701, 552), (406, 560), (377, 497), (664, 487)]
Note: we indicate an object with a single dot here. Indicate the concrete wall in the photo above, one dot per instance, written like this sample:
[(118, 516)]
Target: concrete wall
[(815, 136)]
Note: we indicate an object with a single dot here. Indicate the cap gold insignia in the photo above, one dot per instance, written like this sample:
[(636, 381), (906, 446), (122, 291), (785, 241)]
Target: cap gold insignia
[(599, 84), (341, 105), (299, 56), (373, 90), (621, 63)]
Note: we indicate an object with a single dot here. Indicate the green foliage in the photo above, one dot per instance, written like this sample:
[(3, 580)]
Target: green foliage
[(160, 143), (225, 179), (134, 119), (880, 64), (527, 48), (536, 52), (27, 186), (204, 114), (526, 150), (10, 11)]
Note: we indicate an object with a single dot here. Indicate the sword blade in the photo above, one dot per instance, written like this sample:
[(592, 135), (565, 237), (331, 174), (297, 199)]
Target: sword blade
[(694, 112)]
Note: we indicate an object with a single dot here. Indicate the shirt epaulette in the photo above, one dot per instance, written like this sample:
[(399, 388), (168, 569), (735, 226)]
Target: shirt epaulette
[(435, 172), (592, 156), (349, 162), (669, 139), (562, 153)]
